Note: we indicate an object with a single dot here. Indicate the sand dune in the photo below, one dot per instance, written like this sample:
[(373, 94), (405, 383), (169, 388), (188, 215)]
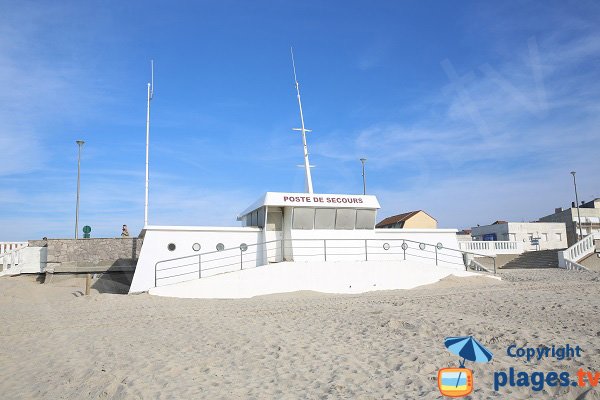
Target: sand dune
[(379, 345)]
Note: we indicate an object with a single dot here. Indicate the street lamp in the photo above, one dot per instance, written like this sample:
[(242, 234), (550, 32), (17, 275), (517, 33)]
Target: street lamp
[(577, 205), (79, 144), (362, 160)]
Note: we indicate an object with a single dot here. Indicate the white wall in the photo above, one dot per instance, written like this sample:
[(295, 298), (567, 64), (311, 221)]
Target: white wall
[(325, 277), (156, 241), (154, 249)]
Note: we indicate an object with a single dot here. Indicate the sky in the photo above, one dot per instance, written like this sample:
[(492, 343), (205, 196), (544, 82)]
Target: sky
[(471, 111)]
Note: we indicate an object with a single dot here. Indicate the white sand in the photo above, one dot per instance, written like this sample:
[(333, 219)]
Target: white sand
[(57, 344)]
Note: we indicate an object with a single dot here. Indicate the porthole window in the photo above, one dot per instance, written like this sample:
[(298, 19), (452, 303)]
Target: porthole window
[(220, 247), (243, 247), (404, 246), (439, 246), (196, 247), (386, 246), (171, 246), (422, 246)]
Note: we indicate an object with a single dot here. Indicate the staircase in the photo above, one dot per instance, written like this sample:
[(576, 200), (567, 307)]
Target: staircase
[(534, 259)]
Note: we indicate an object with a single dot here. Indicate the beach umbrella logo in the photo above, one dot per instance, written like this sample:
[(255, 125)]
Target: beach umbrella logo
[(458, 382)]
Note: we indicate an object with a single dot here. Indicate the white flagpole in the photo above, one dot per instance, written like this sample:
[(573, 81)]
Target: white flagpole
[(309, 185), (150, 95)]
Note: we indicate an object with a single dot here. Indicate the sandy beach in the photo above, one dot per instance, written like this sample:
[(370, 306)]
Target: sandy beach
[(58, 344)]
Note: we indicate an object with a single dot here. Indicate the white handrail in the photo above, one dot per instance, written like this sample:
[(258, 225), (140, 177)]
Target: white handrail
[(7, 247), (492, 247), (577, 252), (11, 259)]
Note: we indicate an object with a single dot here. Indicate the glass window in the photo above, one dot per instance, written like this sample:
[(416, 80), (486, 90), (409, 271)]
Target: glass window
[(253, 218), (304, 218), (274, 220), (544, 237), (559, 236), (260, 217), (325, 218), (365, 219), (345, 218)]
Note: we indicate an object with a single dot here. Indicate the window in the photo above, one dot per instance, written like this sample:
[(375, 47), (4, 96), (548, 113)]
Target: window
[(274, 220), (304, 218), (512, 237), (260, 217), (171, 247), (345, 218), (544, 237), (325, 218), (365, 219), (530, 236)]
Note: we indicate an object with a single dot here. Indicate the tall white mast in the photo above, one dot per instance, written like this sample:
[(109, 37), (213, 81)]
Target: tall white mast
[(309, 186), (150, 95)]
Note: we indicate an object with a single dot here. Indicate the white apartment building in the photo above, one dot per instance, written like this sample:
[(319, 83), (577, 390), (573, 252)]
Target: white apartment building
[(533, 235)]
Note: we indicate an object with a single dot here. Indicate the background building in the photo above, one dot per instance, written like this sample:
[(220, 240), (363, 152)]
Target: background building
[(533, 235), (414, 219), (590, 219)]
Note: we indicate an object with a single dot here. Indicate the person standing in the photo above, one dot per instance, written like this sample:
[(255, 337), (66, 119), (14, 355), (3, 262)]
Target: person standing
[(125, 232)]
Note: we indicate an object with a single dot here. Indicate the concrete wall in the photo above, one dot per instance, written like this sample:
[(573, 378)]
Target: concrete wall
[(156, 249), (71, 254)]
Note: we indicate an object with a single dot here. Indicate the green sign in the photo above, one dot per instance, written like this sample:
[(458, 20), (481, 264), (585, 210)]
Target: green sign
[(87, 229)]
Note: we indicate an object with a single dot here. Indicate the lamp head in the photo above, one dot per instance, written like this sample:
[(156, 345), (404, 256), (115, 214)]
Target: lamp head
[(79, 142), (573, 173)]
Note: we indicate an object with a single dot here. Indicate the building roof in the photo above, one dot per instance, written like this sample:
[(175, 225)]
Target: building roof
[(399, 218), (313, 200), (500, 222)]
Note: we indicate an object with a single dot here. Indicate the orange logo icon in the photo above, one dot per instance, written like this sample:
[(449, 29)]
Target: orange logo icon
[(455, 382)]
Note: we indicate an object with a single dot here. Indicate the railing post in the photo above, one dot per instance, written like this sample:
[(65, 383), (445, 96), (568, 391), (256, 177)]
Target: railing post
[(199, 266), (494, 265), (366, 251), (436, 256), (282, 248), (403, 249), (155, 278), (241, 259), (325, 249)]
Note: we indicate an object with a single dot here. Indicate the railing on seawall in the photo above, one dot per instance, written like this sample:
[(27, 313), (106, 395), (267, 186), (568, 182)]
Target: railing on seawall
[(197, 266), (7, 247), (570, 257), (11, 255), (492, 247)]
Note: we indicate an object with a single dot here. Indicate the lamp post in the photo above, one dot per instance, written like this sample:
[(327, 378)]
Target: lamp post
[(577, 205), (79, 144), (363, 160)]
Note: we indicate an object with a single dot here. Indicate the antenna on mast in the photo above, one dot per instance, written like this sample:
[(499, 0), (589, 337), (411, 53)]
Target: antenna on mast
[(309, 186), (150, 95)]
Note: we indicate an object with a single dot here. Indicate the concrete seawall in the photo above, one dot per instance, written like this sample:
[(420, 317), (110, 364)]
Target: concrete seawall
[(90, 255)]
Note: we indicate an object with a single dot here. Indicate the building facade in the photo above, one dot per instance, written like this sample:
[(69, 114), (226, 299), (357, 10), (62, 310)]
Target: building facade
[(533, 235), (590, 220), (415, 219)]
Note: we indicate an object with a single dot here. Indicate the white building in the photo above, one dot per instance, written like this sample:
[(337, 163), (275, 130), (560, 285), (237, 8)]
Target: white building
[(589, 215), (281, 227), (533, 235)]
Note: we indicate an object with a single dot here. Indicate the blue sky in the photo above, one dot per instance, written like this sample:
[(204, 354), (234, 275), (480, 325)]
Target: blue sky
[(471, 111)]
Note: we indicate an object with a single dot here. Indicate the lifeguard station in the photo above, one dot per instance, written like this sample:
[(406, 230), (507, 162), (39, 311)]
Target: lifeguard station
[(300, 230)]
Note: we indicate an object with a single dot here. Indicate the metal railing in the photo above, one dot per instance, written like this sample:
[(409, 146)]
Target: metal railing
[(197, 266)]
